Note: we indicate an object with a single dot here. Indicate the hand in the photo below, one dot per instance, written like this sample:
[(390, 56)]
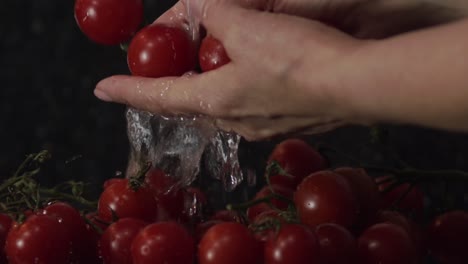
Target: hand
[(285, 74), (264, 91)]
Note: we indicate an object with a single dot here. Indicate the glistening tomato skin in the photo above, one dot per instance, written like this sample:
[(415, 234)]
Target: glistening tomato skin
[(109, 22), (212, 54), (448, 237), (115, 243), (163, 243), (82, 242), (160, 50), (40, 239), (125, 201), (326, 197), (293, 244), (229, 243)]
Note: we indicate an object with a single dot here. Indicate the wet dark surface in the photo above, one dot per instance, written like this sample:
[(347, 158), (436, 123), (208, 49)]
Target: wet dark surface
[(48, 70)]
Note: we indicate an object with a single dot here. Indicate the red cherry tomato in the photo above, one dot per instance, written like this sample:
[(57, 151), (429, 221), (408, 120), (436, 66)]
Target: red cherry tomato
[(448, 237), (413, 203), (202, 228), (159, 50), (365, 190), (40, 239), (269, 218), (109, 22), (115, 243), (257, 209), (293, 244), (169, 196), (163, 243), (5, 225), (124, 201), (229, 243), (75, 226), (298, 159), (326, 197), (212, 54), (337, 244), (386, 243)]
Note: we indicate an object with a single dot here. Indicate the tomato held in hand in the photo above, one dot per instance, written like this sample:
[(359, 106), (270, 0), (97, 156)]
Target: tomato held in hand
[(229, 243), (40, 239), (448, 237), (386, 243), (212, 54), (163, 243), (116, 241), (296, 158), (109, 22), (293, 244), (326, 197), (124, 201), (160, 50)]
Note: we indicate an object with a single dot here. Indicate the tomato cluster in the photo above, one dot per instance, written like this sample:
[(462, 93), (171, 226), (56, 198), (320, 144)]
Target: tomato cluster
[(155, 50), (306, 213)]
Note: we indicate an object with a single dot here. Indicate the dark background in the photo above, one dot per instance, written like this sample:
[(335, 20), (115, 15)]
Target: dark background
[(48, 71)]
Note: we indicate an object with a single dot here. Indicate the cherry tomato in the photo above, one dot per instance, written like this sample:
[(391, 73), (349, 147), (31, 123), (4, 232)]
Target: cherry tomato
[(257, 209), (163, 243), (293, 244), (40, 239), (415, 232), (159, 50), (5, 225), (386, 243), (93, 217), (115, 243), (413, 203), (75, 226), (124, 201), (109, 22), (326, 197), (229, 243), (212, 54), (169, 196), (337, 244), (201, 228), (298, 159), (365, 190), (448, 237)]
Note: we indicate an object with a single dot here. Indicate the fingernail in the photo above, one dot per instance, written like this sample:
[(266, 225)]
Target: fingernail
[(102, 95)]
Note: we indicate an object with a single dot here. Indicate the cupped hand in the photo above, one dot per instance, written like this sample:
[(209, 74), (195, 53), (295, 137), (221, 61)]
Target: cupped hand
[(277, 81), (284, 75)]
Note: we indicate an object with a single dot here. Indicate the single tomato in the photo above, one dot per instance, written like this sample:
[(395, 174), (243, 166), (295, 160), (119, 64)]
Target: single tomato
[(160, 50)]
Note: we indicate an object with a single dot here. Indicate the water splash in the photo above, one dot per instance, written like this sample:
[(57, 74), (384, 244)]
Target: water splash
[(179, 145)]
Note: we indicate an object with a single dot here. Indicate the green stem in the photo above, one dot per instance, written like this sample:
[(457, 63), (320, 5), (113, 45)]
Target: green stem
[(53, 194)]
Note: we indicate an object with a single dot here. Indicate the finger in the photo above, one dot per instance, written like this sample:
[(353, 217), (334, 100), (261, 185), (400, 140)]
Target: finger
[(175, 15), (196, 94)]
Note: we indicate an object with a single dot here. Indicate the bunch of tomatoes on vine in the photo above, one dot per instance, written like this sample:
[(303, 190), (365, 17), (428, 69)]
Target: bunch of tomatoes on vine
[(307, 211)]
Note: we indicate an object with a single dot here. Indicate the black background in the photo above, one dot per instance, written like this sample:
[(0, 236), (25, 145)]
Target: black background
[(48, 71)]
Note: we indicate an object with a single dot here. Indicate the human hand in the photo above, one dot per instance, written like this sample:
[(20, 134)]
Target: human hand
[(284, 77)]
